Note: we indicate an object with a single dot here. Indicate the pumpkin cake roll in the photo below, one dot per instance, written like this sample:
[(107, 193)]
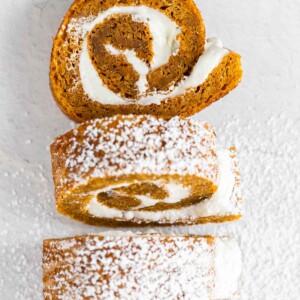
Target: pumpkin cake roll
[(138, 57), (141, 266), (139, 170)]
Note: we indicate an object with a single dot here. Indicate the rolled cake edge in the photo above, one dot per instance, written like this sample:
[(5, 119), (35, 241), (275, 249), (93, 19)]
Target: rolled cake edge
[(234, 199), (70, 154), (92, 109), (72, 112), (73, 200), (226, 261)]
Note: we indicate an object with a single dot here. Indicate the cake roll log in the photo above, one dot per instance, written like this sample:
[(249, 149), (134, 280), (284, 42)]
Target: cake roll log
[(138, 57), (141, 266), (139, 170)]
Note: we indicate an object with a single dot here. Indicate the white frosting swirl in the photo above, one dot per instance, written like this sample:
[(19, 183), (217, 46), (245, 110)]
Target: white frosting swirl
[(220, 204), (165, 44)]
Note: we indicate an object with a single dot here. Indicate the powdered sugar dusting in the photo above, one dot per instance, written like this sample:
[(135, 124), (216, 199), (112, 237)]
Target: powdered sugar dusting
[(263, 122), (123, 145), (125, 267)]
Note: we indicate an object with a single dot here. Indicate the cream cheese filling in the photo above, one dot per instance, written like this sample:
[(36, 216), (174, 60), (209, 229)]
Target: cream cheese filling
[(228, 266), (176, 193), (220, 204), (165, 44)]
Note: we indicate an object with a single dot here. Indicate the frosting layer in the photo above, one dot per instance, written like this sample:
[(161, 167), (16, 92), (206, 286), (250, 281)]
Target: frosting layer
[(165, 34), (222, 203), (228, 266), (96, 90)]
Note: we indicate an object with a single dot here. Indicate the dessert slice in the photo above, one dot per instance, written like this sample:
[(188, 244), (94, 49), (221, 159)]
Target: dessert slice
[(145, 57), (139, 170), (141, 266)]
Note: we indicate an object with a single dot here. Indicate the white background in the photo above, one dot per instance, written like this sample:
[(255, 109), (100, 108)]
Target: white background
[(261, 117)]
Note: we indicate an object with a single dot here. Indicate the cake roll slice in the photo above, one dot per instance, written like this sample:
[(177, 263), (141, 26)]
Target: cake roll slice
[(141, 266), (138, 57), (140, 170)]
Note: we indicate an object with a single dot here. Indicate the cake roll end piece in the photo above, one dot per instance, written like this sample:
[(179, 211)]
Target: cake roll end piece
[(141, 266)]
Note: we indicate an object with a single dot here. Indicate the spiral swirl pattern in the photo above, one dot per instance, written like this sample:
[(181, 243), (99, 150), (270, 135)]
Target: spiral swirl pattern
[(146, 57)]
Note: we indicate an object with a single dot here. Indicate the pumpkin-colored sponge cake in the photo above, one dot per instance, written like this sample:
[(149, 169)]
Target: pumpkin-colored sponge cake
[(134, 71), (139, 170), (138, 57), (141, 266)]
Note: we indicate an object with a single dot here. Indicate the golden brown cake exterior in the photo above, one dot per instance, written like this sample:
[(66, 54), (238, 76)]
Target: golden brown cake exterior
[(139, 170), (141, 266), (165, 90)]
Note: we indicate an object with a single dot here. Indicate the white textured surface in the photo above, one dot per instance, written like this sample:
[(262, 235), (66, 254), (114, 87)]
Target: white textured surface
[(262, 117), (172, 268)]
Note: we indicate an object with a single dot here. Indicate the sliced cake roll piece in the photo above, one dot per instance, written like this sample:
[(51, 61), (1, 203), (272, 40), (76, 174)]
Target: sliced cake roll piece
[(138, 57), (139, 170), (141, 266)]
